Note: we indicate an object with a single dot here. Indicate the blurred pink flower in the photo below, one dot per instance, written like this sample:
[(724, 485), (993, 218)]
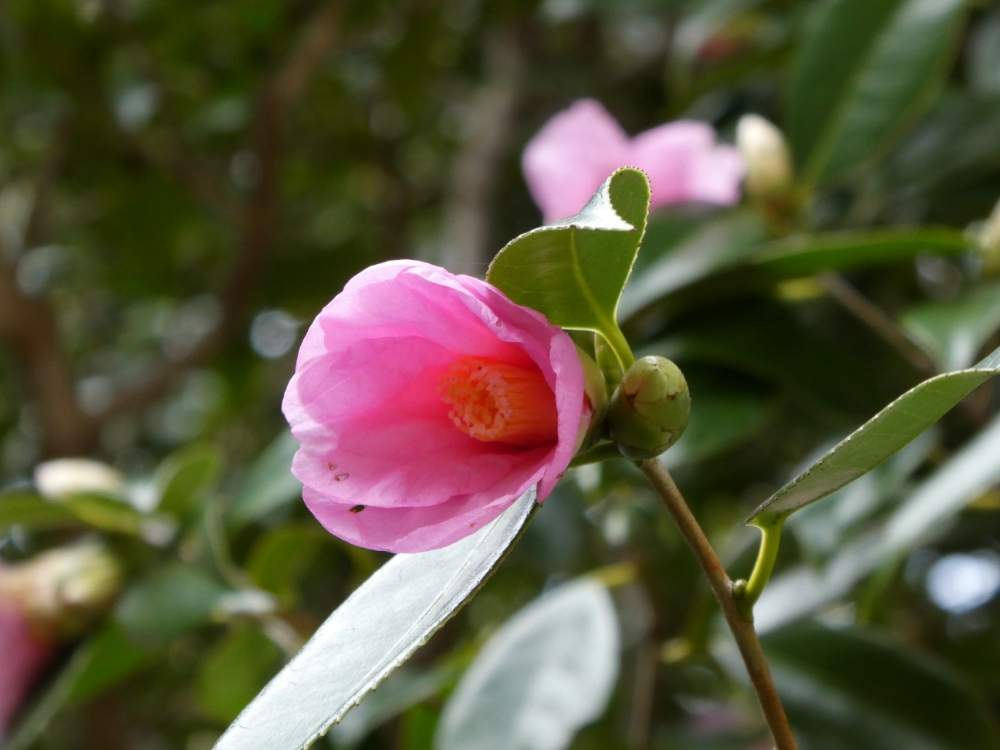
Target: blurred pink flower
[(25, 654), (581, 146), (425, 403)]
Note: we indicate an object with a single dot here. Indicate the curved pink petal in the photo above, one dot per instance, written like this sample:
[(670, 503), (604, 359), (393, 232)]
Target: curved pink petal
[(24, 656), (374, 431), (716, 177), (571, 156)]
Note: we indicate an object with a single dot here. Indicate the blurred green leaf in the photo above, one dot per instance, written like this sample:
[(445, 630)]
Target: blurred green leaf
[(726, 257), (984, 56), (234, 670), (268, 484), (169, 601), (185, 477), (547, 672), (722, 418), (23, 508), (923, 516), (954, 331), (843, 251), (574, 271), (863, 70), (102, 661), (718, 245), (104, 512), (405, 688), (880, 437), (365, 639), (847, 688), (283, 555)]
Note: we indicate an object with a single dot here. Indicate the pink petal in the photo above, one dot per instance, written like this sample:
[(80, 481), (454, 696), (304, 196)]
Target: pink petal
[(717, 175), (571, 156), (680, 159), (24, 657), (373, 430), (416, 529)]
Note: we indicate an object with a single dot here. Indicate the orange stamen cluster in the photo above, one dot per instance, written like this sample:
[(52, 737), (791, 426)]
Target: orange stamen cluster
[(496, 402)]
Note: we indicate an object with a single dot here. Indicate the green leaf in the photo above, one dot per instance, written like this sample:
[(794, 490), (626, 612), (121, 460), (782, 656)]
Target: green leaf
[(574, 271), (268, 484), (843, 251), (845, 687), (170, 601), (704, 252), (954, 331), (547, 672), (105, 659), (23, 508), (404, 689), (280, 558), (865, 69), (727, 256), (922, 517), (880, 437), (234, 670), (104, 512), (185, 477), (371, 634)]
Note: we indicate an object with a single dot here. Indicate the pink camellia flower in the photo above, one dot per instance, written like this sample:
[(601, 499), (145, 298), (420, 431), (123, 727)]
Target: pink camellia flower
[(425, 403), (580, 147), (25, 654)]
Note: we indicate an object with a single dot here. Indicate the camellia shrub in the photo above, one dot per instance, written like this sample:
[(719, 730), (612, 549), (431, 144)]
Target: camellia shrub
[(514, 424)]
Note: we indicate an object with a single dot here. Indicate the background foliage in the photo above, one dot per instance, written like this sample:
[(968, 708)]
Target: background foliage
[(183, 185)]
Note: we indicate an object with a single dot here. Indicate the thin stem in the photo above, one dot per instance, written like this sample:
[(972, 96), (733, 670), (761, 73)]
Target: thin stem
[(619, 345), (767, 554), (877, 321), (599, 452), (740, 624)]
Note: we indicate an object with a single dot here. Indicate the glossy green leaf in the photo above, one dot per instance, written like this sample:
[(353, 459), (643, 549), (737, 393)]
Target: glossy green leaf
[(546, 673), (923, 516), (184, 477), (843, 251), (880, 437), (953, 331), (848, 688), (268, 484), (574, 271), (731, 256), (365, 639), (863, 70)]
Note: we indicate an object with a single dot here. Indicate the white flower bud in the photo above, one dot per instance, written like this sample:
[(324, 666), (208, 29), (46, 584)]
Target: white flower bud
[(989, 241), (66, 476), (768, 162)]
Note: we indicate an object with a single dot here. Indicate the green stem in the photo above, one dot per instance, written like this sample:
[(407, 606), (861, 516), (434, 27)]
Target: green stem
[(599, 452), (619, 345), (767, 554)]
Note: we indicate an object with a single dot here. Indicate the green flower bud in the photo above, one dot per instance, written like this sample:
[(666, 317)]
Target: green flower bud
[(649, 410)]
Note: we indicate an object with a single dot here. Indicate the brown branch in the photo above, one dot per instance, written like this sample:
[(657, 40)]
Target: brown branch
[(474, 175), (258, 216), (29, 326), (741, 626)]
